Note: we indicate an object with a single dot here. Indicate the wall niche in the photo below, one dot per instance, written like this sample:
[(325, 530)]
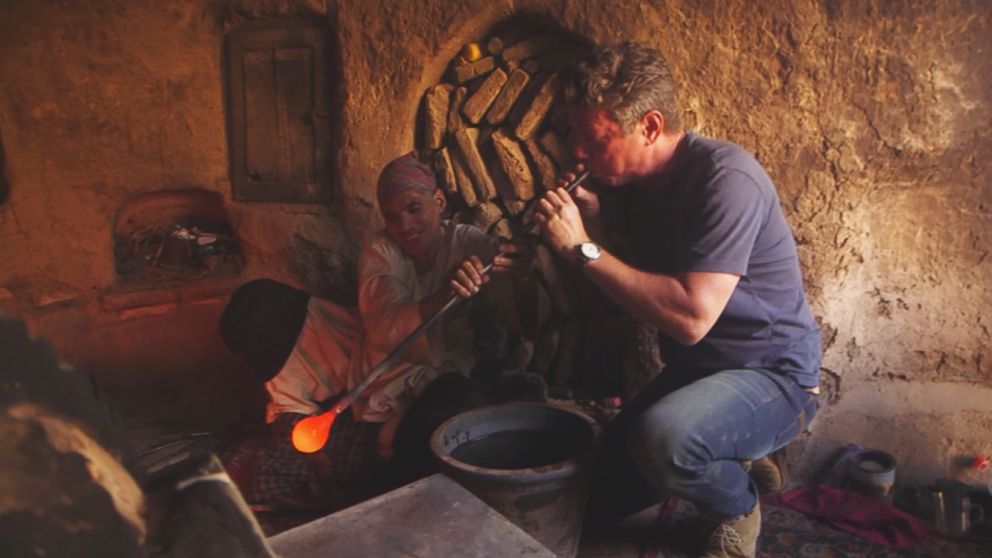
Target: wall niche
[(493, 128), (174, 235)]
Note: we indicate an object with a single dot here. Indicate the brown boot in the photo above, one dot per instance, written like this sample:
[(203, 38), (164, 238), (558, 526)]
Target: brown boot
[(735, 538), (768, 473)]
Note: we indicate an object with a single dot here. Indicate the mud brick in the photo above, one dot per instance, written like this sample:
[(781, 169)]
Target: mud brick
[(445, 172), (514, 207), (532, 66), (555, 147), (467, 140), (515, 84), (527, 48), (502, 229), (504, 188), (494, 46), (455, 121), (514, 164), (465, 186), (539, 106), (436, 103), (469, 70), (485, 216), (546, 171), (477, 105)]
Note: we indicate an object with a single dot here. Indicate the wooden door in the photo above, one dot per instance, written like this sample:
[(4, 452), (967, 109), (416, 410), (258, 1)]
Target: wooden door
[(279, 112)]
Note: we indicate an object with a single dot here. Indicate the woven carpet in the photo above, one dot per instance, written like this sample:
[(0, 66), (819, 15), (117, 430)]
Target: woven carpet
[(788, 533)]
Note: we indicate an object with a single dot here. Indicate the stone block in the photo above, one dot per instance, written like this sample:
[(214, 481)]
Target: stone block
[(547, 174), (433, 516), (464, 182), (477, 105), (538, 108), (467, 141), (455, 121), (527, 48), (494, 46), (444, 170), (555, 147), (503, 230), (436, 103), (466, 71), (514, 164), (485, 216), (515, 84), (515, 207)]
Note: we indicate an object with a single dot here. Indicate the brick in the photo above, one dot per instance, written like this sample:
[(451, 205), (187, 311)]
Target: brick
[(455, 121), (445, 172), (546, 172), (485, 216), (494, 45), (503, 230), (477, 105), (465, 186), (514, 207), (538, 108), (436, 103), (514, 164), (555, 147), (527, 48), (469, 70), (467, 140), (515, 84), (532, 66)]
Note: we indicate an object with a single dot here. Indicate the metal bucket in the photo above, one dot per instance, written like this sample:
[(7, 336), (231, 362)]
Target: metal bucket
[(530, 461)]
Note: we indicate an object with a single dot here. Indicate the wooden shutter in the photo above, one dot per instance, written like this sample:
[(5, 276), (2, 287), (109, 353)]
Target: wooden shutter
[(279, 117)]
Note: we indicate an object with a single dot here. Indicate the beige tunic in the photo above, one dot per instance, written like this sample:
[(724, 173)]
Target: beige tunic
[(338, 346)]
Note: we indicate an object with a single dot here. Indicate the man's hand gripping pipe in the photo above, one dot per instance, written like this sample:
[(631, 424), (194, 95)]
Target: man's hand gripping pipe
[(310, 434)]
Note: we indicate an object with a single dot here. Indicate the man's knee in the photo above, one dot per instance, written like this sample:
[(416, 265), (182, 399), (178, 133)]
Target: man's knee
[(665, 452)]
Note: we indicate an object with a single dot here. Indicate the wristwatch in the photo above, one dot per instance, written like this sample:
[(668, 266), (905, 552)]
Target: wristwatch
[(588, 252)]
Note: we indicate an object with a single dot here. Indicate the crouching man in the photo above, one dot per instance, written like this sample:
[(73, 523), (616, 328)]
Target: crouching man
[(687, 235)]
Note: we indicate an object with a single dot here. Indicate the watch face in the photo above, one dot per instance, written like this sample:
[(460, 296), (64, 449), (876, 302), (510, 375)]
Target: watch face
[(589, 251)]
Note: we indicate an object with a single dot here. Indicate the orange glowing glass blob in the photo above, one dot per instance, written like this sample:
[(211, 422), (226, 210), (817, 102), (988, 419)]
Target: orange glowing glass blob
[(310, 434)]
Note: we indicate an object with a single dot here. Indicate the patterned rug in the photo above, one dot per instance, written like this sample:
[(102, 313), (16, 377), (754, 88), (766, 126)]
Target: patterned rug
[(788, 533)]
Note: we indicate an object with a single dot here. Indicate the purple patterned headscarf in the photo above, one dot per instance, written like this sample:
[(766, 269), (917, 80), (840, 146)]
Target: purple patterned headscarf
[(402, 174)]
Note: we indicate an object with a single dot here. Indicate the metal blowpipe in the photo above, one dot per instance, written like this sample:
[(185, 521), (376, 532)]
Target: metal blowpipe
[(310, 434)]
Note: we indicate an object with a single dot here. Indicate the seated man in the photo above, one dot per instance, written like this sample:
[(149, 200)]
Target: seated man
[(406, 274)]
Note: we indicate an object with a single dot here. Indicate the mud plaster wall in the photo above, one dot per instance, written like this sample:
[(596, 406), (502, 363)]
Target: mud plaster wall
[(872, 117)]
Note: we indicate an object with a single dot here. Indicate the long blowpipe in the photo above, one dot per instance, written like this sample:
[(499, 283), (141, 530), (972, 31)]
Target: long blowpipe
[(310, 434)]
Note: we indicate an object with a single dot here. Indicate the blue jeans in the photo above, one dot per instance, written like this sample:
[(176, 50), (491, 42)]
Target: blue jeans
[(686, 435)]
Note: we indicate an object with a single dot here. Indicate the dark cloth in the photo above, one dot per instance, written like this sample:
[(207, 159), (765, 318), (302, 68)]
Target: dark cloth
[(719, 212), (262, 321), (870, 519)]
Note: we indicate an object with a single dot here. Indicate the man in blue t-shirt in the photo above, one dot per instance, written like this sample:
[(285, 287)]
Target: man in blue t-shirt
[(688, 236)]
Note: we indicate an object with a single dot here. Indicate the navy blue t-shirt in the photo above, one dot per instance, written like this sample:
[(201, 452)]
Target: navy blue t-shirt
[(718, 211)]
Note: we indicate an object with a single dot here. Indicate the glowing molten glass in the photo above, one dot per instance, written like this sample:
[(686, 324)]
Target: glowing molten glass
[(310, 434)]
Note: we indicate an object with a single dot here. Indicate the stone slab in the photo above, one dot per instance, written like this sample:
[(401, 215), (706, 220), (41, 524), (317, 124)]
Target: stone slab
[(431, 517)]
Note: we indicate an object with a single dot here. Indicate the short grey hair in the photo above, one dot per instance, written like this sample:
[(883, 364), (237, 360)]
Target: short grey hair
[(628, 80)]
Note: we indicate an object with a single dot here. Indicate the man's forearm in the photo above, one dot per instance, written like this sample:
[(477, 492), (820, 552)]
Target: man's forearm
[(684, 307)]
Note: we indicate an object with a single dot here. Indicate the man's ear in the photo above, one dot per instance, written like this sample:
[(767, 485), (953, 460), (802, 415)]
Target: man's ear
[(440, 199), (652, 125)]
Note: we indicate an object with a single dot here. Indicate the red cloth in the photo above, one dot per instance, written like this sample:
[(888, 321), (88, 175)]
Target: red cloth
[(859, 515)]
